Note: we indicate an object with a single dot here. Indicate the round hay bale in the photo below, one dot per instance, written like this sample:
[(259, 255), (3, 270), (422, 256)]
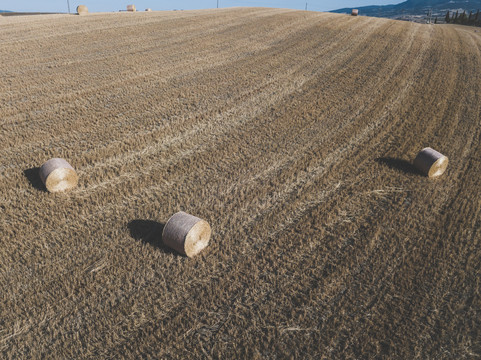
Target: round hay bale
[(354, 12), (58, 175), (186, 234), (131, 8), (82, 10), (148, 9), (430, 162)]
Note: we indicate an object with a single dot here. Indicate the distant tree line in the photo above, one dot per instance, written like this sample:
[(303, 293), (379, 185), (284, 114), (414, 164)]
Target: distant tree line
[(473, 19)]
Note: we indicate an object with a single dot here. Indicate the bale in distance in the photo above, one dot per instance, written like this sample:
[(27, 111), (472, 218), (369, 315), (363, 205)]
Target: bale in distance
[(148, 9), (131, 8), (186, 234), (82, 10), (430, 162), (58, 175), (354, 12)]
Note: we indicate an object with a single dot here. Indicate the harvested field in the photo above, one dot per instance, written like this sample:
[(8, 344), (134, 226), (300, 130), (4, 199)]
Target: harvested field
[(292, 134)]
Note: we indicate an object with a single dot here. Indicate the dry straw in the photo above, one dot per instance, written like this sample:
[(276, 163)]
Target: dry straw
[(58, 175), (131, 8), (430, 162), (82, 10), (354, 12), (186, 234), (148, 9)]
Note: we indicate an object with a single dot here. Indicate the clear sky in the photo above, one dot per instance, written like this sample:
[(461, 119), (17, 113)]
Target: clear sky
[(115, 5)]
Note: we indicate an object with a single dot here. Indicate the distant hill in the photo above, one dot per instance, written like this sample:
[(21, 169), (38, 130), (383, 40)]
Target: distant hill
[(412, 9), (13, 13)]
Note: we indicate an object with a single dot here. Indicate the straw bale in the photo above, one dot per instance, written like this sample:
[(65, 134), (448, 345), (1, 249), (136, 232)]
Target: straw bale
[(148, 9), (186, 234), (82, 10), (430, 162), (354, 12), (131, 8), (58, 175)]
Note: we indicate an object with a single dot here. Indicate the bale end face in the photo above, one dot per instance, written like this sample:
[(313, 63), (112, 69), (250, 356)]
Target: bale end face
[(82, 10), (431, 162), (354, 12), (186, 234), (58, 175), (197, 239)]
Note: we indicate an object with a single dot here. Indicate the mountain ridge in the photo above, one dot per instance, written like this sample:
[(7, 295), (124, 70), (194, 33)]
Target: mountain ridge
[(416, 8)]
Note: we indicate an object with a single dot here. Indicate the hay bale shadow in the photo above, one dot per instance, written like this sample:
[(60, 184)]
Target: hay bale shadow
[(399, 164), (149, 232), (33, 178)]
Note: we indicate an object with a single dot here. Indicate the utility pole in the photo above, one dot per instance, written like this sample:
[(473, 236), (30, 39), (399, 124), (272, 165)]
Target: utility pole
[(306, 5), (68, 5), (217, 4)]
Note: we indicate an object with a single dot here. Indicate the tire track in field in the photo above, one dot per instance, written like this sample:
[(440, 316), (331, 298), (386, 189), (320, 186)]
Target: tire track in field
[(275, 232), (188, 42), (143, 154), (280, 266), (136, 78), (93, 216), (127, 76), (114, 61), (282, 224), (105, 21), (25, 151), (465, 114), (125, 316), (186, 28), (378, 297)]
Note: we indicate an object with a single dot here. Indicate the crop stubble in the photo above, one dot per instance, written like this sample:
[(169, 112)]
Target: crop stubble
[(283, 130)]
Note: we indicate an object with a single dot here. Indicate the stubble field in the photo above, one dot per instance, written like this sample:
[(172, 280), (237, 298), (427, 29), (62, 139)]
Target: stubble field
[(292, 134)]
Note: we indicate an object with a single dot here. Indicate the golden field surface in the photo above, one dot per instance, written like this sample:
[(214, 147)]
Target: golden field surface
[(292, 133)]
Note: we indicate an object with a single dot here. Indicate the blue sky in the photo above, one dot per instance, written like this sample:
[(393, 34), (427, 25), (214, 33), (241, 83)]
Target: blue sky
[(115, 5)]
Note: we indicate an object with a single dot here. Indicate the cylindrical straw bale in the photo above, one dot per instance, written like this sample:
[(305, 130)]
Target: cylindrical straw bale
[(58, 175), (354, 12), (82, 10), (131, 8), (430, 162), (148, 9), (186, 234)]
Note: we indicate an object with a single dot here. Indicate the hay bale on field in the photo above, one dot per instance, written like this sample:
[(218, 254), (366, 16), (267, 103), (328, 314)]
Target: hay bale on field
[(82, 10), (131, 8), (430, 162), (148, 9), (186, 234), (58, 175), (354, 12)]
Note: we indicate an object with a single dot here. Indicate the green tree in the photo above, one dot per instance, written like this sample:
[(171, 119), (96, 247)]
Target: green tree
[(447, 19)]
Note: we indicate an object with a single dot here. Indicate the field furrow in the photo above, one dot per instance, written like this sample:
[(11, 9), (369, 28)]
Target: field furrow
[(292, 133)]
